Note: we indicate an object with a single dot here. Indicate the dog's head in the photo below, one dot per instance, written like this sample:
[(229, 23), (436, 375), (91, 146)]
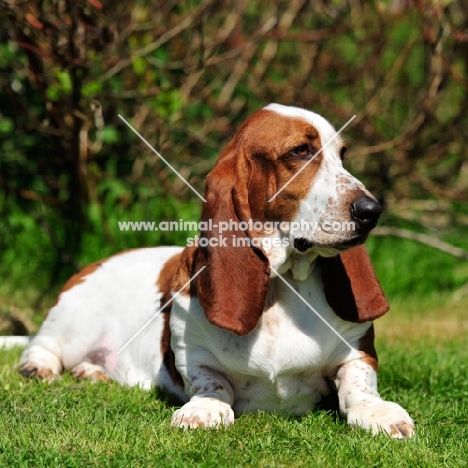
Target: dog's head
[(278, 195)]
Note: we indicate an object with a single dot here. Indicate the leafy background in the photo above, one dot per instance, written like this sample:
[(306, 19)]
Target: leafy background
[(186, 74)]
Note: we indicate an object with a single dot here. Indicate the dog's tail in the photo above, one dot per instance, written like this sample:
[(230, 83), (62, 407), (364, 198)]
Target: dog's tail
[(8, 342)]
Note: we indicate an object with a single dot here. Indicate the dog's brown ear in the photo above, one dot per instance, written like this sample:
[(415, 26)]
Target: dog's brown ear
[(232, 288), (351, 286)]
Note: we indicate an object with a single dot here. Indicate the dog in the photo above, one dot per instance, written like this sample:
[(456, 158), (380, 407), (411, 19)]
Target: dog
[(270, 308)]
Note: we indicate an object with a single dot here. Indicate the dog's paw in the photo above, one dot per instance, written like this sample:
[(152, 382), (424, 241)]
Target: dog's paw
[(43, 373), (39, 362), (94, 372), (203, 412), (384, 416)]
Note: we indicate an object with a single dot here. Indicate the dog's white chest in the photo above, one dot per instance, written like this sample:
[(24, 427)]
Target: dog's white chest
[(282, 365)]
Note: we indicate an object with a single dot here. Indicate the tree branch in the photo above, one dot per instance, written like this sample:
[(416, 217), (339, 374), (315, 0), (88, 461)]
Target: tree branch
[(425, 239)]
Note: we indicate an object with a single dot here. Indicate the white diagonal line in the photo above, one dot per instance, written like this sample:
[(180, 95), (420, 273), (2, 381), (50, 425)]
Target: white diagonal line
[(314, 311), (160, 157), (161, 308), (308, 162)]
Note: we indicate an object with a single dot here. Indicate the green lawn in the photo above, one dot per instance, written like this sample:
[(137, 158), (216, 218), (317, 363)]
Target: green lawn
[(424, 367)]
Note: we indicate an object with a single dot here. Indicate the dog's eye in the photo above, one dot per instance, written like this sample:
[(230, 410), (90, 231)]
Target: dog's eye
[(304, 152), (342, 152)]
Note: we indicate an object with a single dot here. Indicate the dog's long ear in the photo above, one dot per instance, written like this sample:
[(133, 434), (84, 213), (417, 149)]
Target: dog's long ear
[(232, 288), (351, 286)]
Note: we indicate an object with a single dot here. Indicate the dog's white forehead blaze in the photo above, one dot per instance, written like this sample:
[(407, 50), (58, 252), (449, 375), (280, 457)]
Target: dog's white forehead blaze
[(327, 132)]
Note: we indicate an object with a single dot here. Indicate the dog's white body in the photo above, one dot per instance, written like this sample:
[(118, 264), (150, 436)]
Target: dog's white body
[(80, 333)]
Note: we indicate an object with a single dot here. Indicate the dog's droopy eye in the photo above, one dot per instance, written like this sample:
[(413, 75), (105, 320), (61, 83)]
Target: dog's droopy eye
[(304, 152)]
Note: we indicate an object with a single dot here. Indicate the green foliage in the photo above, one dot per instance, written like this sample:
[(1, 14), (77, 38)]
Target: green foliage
[(110, 134), (70, 169), (408, 268)]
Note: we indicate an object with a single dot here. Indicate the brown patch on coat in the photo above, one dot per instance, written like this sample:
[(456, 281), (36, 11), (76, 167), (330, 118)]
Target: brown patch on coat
[(351, 286), (166, 277), (164, 284), (184, 271), (367, 348)]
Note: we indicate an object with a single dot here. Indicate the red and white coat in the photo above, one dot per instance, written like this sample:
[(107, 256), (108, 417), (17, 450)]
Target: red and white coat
[(242, 335)]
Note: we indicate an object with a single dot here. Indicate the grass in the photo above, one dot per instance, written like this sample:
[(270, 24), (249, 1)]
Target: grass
[(74, 423), (423, 353)]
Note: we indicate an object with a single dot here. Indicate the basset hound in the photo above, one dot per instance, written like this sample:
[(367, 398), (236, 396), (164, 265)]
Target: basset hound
[(273, 317)]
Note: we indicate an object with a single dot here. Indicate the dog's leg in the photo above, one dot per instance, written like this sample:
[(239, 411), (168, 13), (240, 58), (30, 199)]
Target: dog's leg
[(210, 405), (361, 405)]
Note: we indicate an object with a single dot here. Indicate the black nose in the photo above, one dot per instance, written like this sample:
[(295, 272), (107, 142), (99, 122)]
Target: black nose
[(366, 211)]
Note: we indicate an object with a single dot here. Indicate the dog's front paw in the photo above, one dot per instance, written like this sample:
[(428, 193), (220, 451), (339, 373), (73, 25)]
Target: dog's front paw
[(383, 416), (203, 412), (43, 373)]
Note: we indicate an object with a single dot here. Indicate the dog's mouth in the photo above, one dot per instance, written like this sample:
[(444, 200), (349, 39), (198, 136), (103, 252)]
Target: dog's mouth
[(303, 245), (355, 241)]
